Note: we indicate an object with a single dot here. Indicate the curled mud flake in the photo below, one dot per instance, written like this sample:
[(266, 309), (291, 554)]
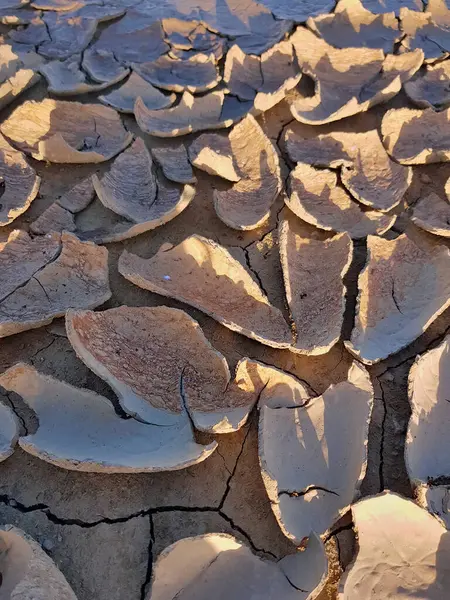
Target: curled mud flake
[(68, 35), (426, 449), (78, 197), (80, 431), (352, 26), (76, 278), (426, 31), (54, 218), (17, 72), (367, 171), (397, 542), (196, 74), (65, 78), (21, 257), (347, 81), (174, 162), (264, 80), (137, 37), (188, 38), (102, 66), (124, 97), (218, 564), (9, 431), (313, 271), (313, 456), (129, 188), (246, 205), (316, 198), (415, 137), (66, 132), (171, 200), (432, 213), (160, 364), (212, 152), (57, 5), (19, 183), (203, 274), (431, 89), (192, 113), (27, 570), (402, 290)]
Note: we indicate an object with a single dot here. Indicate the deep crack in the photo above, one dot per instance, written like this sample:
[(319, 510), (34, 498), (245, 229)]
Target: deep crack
[(148, 574), (255, 273), (228, 483), (383, 425)]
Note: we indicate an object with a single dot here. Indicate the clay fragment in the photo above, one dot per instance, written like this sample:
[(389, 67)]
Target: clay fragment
[(68, 35), (124, 98), (196, 74), (246, 205), (65, 78), (16, 16), (76, 278), (137, 37), (397, 542), (432, 213), (402, 290), (212, 152), (78, 197), (188, 375), (80, 431), (380, 7), (203, 274), (217, 564), (132, 190), (21, 257), (19, 182), (430, 89), (54, 218), (426, 31), (265, 79), (313, 453), (187, 38), (313, 271), (353, 26), (426, 440), (27, 570), (17, 73), (174, 162), (415, 137), (316, 198), (102, 66), (347, 81), (9, 431), (367, 171), (192, 113), (66, 132)]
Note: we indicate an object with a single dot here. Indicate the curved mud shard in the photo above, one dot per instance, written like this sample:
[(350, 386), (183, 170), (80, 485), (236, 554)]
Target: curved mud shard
[(427, 446), (402, 552), (402, 290), (9, 431), (415, 137), (19, 181), (246, 205), (347, 81), (160, 364), (27, 571), (80, 431), (58, 273), (203, 274), (313, 271), (313, 452), (218, 565), (66, 132), (432, 213)]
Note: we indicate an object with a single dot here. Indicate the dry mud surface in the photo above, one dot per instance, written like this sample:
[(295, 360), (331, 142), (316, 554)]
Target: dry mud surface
[(104, 531)]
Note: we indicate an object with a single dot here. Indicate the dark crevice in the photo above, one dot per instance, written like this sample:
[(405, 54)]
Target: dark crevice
[(383, 425), (148, 574), (223, 459), (228, 483), (394, 298), (337, 531), (311, 488), (42, 350), (249, 540), (252, 270), (294, 586), (13, 408), (42, 288)]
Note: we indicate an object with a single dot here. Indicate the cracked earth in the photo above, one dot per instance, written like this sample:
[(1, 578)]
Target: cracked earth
[(104, 531)]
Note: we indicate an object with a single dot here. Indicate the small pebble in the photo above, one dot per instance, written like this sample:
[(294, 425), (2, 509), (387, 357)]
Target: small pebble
[(13, 503), (48, 545), (424, 178)]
